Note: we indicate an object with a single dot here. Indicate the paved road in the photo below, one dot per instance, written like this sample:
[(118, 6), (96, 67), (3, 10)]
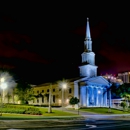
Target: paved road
[(66, 125), (4, 125)]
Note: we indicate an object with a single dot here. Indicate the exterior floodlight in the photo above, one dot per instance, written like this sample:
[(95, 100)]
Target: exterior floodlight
[(2, 79), (3, 85), (99, 92), (64, 86)]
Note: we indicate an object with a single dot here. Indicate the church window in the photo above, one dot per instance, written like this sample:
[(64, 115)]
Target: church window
[(70, 90), (53, 90), (42, 99), (48, 98), (54, 98), (47, 90)]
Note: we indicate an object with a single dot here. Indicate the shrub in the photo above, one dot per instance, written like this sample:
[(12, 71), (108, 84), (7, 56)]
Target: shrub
[(123, 104), (21, 109)]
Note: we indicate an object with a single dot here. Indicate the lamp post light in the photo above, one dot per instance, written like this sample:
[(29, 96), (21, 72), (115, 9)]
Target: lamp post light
[(63, 87), (3, 86)]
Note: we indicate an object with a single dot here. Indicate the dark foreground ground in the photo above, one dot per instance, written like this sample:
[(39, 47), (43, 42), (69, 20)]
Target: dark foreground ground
[(66, 125)]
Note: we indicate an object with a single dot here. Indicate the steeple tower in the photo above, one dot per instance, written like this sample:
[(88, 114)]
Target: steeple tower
[(88, 30), (88, 67), (88, 42)]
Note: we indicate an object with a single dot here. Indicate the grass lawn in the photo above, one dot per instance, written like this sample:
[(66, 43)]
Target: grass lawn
[(55, 112), (103, 111), (45, 115)]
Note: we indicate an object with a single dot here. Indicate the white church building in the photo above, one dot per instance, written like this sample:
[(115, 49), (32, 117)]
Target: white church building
[(90, 89)]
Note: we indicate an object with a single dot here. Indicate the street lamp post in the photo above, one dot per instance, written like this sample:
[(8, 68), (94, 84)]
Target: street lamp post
[(3, 86), (63, 87), (49, 108)]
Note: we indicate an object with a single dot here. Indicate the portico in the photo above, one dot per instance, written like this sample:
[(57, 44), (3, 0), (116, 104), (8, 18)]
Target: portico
[(92, 94)]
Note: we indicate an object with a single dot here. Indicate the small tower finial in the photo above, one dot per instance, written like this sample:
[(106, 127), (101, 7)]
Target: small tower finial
[(88, 30)]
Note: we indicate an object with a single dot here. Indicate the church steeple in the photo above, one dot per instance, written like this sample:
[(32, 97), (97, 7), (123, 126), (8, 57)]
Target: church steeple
[(88, 68), (88, 56), (88, 36), (88, 42)]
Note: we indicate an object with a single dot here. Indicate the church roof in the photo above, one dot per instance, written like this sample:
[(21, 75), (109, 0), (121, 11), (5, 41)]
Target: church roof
[(99, 80)]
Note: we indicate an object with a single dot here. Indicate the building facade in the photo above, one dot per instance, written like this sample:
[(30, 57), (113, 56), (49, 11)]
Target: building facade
[(125, 77), (58, 93), (90, 89), (113, 79)]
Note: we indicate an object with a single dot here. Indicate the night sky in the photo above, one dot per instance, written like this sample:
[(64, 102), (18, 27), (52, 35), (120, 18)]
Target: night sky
[(43, 42)]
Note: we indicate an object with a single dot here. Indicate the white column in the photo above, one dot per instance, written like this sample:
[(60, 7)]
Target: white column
[(101, 96), (83, 96), (87, 95), (109, 98), (92, 98), (96, 96), (76, 90), (105, 97)]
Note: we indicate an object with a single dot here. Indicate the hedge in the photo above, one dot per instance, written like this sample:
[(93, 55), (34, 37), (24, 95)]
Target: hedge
[(20, 109)]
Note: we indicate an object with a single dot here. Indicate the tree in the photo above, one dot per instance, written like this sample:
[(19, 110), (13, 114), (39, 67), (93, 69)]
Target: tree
[(123, 104), (8, 96), (124, 92), (74, 100), (24, 92)]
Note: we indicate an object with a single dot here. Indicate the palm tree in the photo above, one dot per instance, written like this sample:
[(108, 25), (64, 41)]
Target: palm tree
[(126, 97), (8, 96)]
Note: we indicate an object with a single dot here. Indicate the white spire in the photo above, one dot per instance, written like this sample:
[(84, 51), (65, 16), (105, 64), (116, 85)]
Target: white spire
[(88, 36)]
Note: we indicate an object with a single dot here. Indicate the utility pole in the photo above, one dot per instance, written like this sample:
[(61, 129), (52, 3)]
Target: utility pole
[(49, 108)]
